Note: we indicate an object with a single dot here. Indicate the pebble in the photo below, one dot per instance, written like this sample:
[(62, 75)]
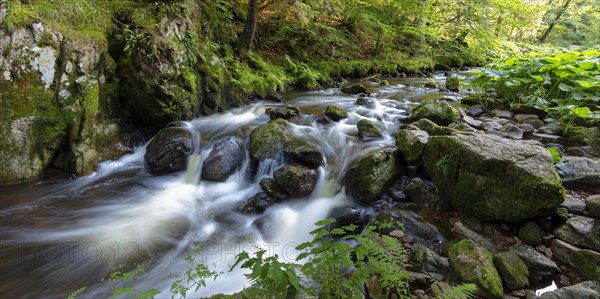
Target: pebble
[(397, 234), (530, 294), (502, 113), (518, 293)]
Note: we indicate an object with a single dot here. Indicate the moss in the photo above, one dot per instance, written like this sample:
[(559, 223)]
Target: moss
[(90, 100), (530, 234), (266, 141), (336, 112), (439, 112), (473, 264), (512, 269), (431, 128), (587, 264)]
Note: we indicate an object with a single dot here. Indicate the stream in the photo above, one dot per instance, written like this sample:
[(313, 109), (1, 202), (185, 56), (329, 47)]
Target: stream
[(61, 234)]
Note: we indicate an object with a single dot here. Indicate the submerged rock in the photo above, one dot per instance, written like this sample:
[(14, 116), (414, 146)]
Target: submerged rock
[(472, 263), (266, 141), (336, 112), (298, 181), (364, 101), (439, 112), (493, 178), (304, 152), (168, 151), (226, 156), (370, 176), (368, 130)]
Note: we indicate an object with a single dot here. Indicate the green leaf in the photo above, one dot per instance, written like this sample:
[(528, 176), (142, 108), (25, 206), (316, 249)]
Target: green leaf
[(565, 87), (582, 112), (554, 153)]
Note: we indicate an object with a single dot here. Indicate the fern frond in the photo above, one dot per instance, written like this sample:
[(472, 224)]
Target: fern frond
[(76, 292), (461, 291)]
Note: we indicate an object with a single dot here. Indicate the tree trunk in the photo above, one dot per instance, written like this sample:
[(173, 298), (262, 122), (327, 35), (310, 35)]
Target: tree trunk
[(556, 19), (250, 28)]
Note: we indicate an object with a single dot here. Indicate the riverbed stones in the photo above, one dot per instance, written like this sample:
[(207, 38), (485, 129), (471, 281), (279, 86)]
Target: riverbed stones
[(270, 186), (226, 156), (494, 179), (580, 173), (581, 231), (593, 205), (513, 271), (297, 180), (507, 131), (585, 261), (530, 233), (347, 215), (336, 113), (574, 205), (432, 128), (439, 112), (304, 152), (585, 290), (354, 89), (473, 264), (502, 113), (258, 203), (168, 151), (365, 101), (540, 267), (464, 232), (286, 112), (267, 140), (412, 144), (425, 261), (368, 130), (370, 176)]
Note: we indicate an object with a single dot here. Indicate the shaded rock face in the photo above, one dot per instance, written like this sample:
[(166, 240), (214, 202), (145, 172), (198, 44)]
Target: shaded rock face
[(540, 267), (59, 104), (425, 261), (266, 141), (273, 189), (258, 203), (580, 173), (421, 231), (494, 178), (513, 271), (439, 112), (296, 180), (370, 176), (347, 215), (168, 151), (304, 152), (472, 263), (586, 262), (586, 289), (226, 156), (581, 231)]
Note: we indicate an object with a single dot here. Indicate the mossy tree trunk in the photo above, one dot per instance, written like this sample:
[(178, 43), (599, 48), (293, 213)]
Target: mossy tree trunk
[(250, 28)]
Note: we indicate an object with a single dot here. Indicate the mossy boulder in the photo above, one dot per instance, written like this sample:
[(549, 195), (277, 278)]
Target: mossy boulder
[(453, 83), (581, 231), (354, 89), (271, 187), (512, 269), (473, 264), (267, 140), (258, 203), (530, 233), (168, 151), (370, 176), (493, 178), (432, 128), (296, 180), (304, 152), (439, 112), (411, 144), (585, 261), (336, 112), (368, 130), (593, 205), (540, 267)]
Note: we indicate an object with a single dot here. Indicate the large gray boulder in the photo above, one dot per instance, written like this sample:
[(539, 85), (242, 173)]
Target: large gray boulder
[(585, 290), (226, 156), (580, 231), (493, 178), (370, 176), (585, 261), (168, 151), (580, 173)]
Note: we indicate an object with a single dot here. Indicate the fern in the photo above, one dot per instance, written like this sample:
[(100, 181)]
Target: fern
[(76, 292), (461, 291)]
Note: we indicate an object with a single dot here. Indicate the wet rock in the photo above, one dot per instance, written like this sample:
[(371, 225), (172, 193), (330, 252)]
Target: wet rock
[(463, 232), (415, 227), (286, 112), (168, 151), (226, 156), (411, 144), (430, 85), (347, 215), (336, 113), (520, 182), (364, 101), (593, 205), (472, 122), (552, 128), (296, 180), (431, 128), (489, 125), (502, 113), (258, 203), (581, 231), (425, 261), (523, 117), (274, 97), (507, 131), (513, 271), (304, 152), (368, 130), (266, 141), (536, 123), (370, 176), (396, 190), (384, 83), (473, 264), (527, 129), (426, 195), (587, 289), (354, 89), (540, 267), (574, 205), (580, 173), (273, 189), (586, 262), (439, 112), (323, 119), (475, 110), (530, 233)]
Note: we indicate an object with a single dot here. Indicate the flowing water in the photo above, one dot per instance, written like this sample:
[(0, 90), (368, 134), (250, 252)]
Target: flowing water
[(62, 234)]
